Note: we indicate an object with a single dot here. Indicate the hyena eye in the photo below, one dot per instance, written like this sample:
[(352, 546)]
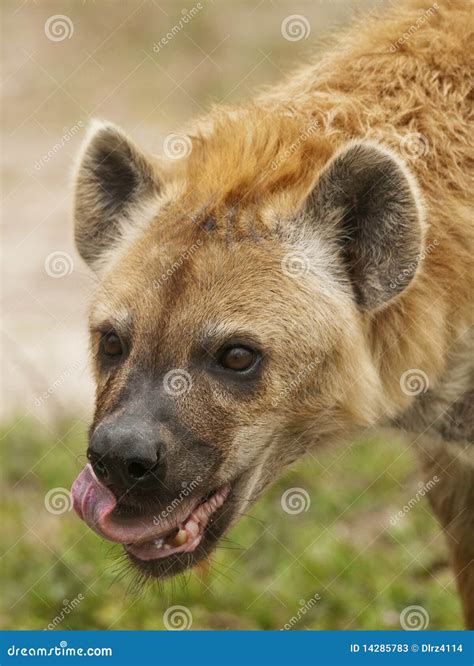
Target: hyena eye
[(111, 345), (238, 358)]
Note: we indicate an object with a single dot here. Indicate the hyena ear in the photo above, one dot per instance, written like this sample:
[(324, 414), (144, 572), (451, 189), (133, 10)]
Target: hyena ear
[(114, 183), (372, 205)]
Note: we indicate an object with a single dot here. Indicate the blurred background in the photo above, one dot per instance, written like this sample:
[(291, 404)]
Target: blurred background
[(344, 560)]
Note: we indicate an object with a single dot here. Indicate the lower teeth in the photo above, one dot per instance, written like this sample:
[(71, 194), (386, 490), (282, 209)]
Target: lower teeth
[(177, 540)]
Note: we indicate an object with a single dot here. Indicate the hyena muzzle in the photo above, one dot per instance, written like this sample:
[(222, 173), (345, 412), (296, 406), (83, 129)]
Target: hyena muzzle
[(282, 286)]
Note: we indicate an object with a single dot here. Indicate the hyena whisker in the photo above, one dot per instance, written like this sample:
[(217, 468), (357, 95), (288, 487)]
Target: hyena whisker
[(243, 514), (226, 539), (216, 570)]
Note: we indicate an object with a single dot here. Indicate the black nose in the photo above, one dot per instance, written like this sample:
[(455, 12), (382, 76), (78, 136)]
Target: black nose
[(125, 456)]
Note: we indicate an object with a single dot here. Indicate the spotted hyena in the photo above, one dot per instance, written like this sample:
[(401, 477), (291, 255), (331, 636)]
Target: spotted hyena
[(302, 273)]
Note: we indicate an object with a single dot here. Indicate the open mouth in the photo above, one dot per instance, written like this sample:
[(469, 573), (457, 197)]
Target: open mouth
[(179, 529), (186, 536)]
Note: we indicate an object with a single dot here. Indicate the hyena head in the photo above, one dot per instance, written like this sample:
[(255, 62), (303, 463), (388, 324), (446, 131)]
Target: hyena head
[(228, 330)]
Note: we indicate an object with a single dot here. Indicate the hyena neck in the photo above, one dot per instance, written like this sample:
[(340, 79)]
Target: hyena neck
[(425, 366), (445, 408)]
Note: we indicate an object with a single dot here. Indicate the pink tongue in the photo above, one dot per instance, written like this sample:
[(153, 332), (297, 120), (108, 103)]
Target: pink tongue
[(94, 503)]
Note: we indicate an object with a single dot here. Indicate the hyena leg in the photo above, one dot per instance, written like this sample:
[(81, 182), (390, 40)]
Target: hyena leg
[(451, 467)]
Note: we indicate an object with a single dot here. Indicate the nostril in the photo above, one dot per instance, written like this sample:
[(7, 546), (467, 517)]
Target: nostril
[(137, 469), (99, 467)]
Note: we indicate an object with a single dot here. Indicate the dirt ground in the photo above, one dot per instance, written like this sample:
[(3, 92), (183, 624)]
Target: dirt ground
[(64, 63)]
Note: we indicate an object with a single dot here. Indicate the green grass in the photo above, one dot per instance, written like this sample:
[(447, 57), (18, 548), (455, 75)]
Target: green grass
[(343, 548)]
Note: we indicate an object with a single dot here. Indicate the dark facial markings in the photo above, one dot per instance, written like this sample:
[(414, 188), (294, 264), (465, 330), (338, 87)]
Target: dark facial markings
[(231, 359)]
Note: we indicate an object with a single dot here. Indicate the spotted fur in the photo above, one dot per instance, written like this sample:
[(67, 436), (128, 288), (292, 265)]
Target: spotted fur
[(360, 166)]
